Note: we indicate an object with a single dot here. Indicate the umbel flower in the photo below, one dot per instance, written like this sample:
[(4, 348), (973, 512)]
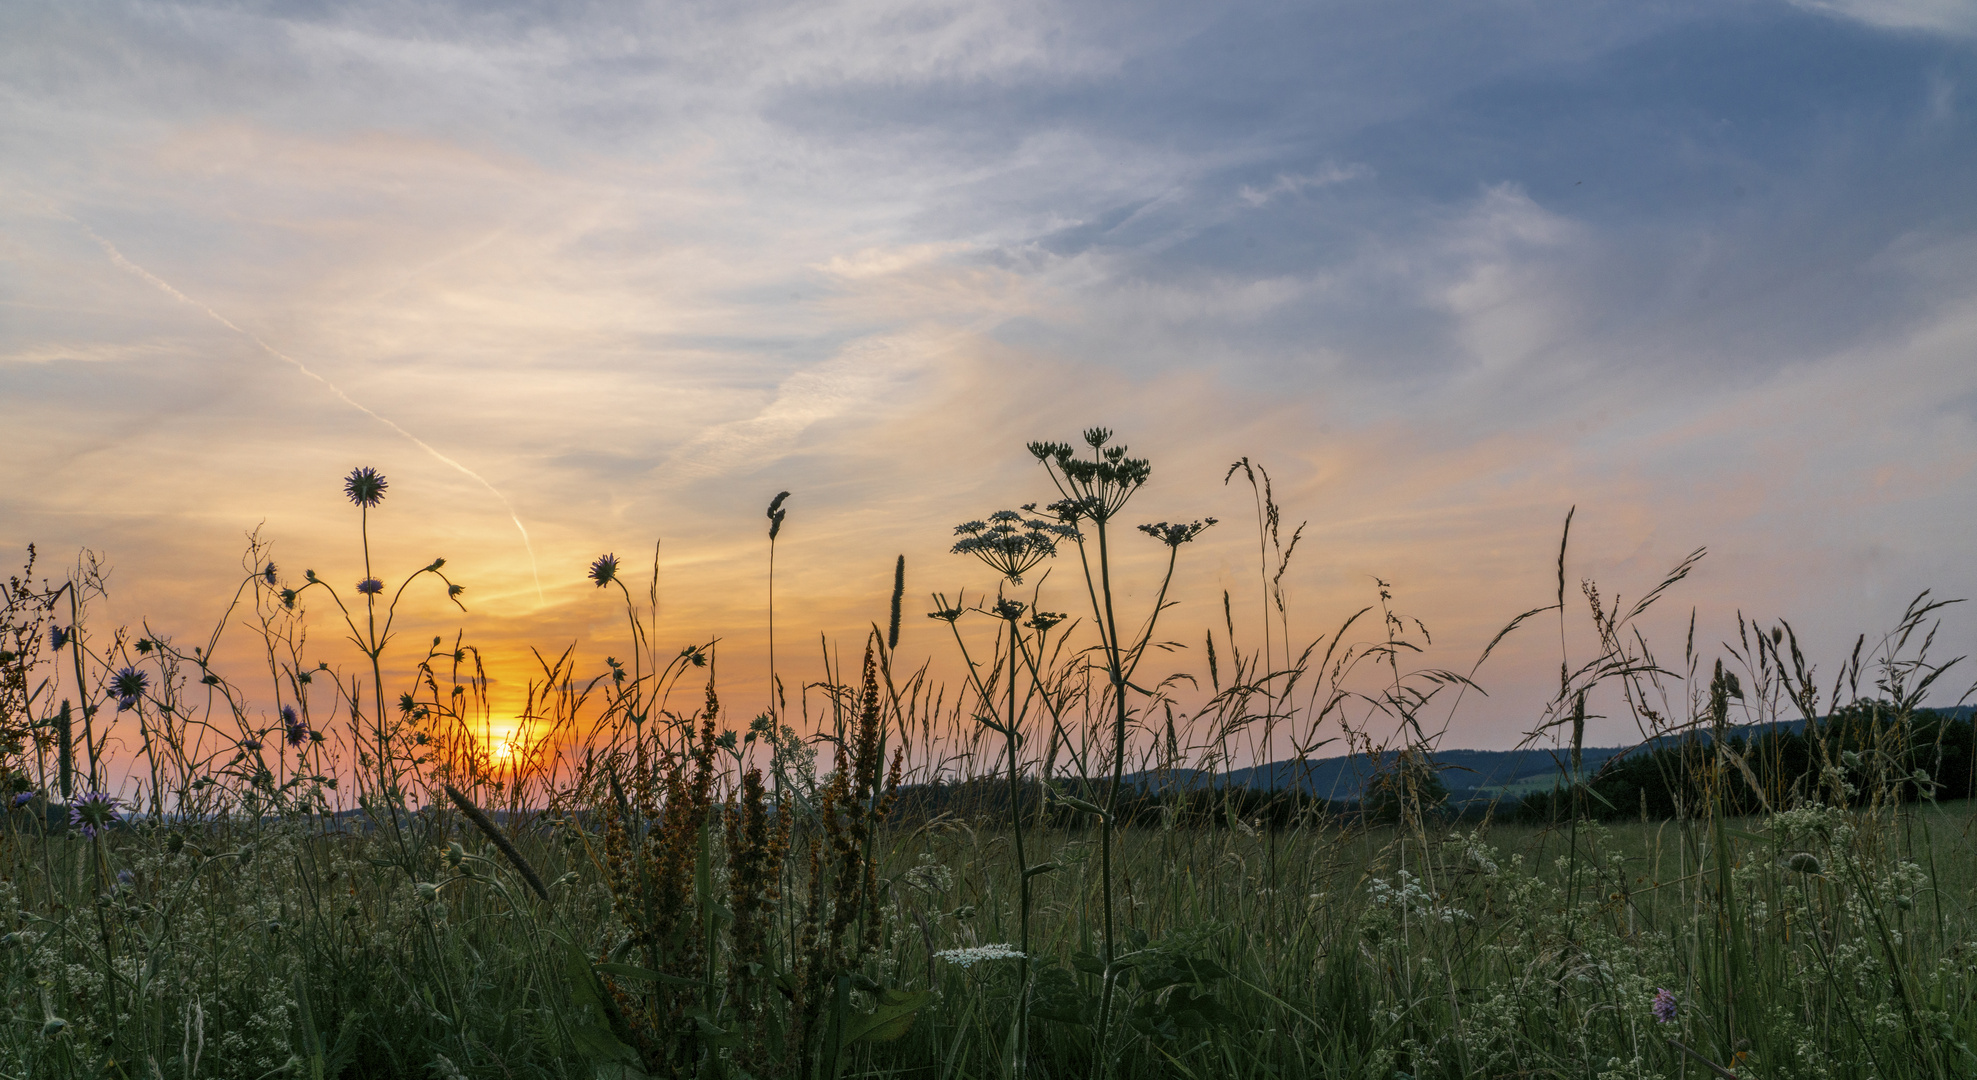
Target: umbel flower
[(1095, 487), (370, 586), (1663, 1006), (605, 570), (92, 812), (365, 486), (129, 685), (1010, 543), (973, 955), (1177, 533)]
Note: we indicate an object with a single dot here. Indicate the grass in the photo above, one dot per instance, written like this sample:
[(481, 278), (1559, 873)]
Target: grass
[(332, 883)]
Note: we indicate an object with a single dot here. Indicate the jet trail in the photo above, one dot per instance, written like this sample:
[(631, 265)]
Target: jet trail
[(117, 258)]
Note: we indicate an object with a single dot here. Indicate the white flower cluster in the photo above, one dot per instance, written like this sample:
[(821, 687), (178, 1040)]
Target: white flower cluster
[(1405, 894), (975, 954)]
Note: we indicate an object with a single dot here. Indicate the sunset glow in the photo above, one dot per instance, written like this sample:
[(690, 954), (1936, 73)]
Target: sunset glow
[(576, 287)]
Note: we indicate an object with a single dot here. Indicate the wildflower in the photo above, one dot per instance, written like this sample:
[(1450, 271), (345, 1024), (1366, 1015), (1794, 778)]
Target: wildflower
[(93, 812), (945, 614), (1011, 610), (365, 486), (22, 798), (1044, 620), (1178, 533), (129, 686), (250, 745), (969, 957), (1010, 543), (294, 729), (370, 586), (268, 574), (605, 570), (57, 637), (1663, 1007), (125, 879), (288, 599)]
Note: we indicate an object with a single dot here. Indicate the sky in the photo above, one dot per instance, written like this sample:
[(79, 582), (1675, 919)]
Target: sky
[(583, 278)]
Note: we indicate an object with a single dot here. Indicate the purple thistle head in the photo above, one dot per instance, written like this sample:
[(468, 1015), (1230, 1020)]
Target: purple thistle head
[(57, 637), (250, 745), (22, 798), (370, 586), (125, 879), (268, 574), (294, 729), (129, 685), (365, 486), (605, 570), (92, 812), (1663, 1007)]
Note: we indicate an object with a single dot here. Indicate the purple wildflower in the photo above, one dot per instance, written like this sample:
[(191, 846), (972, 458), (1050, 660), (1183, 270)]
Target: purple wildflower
[(57, 637), (92, 812), (370, 586), (365, 486), (125, 879), (250, 745), (1663, 1007), (129, 685), (22, 798), (605, 570), (295, 730)]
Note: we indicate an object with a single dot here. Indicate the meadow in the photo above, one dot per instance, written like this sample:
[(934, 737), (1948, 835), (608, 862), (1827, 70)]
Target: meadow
[(335, 872)]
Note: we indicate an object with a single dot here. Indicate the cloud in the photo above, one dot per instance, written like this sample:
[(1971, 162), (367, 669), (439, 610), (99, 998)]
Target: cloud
[(1940, 16)]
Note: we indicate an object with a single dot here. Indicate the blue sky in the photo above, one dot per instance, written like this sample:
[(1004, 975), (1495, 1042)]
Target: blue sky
[(1707, 271)]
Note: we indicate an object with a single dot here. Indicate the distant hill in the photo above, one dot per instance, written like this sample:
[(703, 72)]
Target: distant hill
[(1471, 775)]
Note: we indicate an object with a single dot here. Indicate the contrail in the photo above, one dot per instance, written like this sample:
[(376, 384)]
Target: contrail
[(117, 257)]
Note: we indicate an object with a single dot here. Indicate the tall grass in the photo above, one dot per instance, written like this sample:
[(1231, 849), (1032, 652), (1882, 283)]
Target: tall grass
[(321, 877)]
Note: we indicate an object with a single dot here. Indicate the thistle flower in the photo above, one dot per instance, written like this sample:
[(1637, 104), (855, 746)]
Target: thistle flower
[(365, 486), (250, 744), (268, 574), (1011, 544), (605, 570), (1663, 1007), (1177, 533), (57, 637), (969, 957), (22, 798), (129, 686), (288, 599), (126, 879), (293, 728), (93, 812), (370, 586)]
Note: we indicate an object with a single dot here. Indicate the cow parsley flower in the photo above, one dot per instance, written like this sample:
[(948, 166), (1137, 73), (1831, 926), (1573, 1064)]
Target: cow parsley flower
[(969, 957)]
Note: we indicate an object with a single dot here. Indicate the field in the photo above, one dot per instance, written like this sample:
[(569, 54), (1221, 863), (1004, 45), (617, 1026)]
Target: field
[(349, 880)]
